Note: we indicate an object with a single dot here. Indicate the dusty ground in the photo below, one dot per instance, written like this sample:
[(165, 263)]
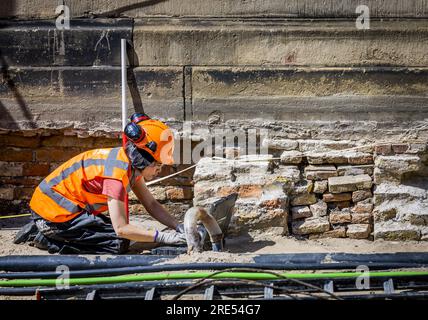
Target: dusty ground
[(238, 248)]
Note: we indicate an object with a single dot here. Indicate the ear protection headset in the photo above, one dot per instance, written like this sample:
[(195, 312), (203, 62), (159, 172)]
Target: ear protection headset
[(137, 134)]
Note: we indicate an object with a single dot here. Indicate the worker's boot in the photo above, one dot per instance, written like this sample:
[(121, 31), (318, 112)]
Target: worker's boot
[(26, 233)]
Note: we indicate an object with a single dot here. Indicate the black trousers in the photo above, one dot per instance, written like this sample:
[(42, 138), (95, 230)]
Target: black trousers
[(86, 233)]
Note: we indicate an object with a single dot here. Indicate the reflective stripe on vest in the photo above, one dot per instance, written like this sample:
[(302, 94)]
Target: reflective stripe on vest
[(109, 164)]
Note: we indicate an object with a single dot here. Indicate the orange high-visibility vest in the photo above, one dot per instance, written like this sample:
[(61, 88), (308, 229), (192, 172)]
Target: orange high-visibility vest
[(61, 196)]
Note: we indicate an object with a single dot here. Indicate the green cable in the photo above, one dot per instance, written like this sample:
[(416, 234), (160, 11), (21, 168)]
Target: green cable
[(200, 275)]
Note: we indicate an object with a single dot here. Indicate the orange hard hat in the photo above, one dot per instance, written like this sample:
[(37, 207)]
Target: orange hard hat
[(155, 137)]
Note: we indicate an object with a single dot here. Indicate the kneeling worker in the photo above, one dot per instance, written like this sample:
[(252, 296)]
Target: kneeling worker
[(67, 205)]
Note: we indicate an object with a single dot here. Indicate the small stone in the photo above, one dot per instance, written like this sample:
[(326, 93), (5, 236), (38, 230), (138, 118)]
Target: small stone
[(349, 183), (398, 164), (358, 231), (319, 209), (336, 197), (291, 157), (300, 212), (339, 217), (320, 186), (310, 225), (361, 195)]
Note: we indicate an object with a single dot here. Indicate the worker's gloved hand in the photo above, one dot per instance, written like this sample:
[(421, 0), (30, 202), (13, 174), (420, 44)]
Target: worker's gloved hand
[(180, 228), (170, 237)]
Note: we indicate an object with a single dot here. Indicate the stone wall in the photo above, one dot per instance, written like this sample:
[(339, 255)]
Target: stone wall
[(324, 189)]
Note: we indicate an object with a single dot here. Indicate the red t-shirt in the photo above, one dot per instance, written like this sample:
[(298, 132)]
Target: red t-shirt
[(110, 187)]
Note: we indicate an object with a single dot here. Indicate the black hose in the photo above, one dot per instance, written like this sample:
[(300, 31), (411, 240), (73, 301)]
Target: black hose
[(297, 261), (204, 266), (74, 262)]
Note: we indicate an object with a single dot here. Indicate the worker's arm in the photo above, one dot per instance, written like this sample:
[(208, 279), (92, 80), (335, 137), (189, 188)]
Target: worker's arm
[(153, 207), (121, 226), (126, 230)]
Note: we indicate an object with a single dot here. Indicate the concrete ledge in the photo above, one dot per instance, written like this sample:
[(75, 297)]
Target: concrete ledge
[(293, 8), (280, 42)]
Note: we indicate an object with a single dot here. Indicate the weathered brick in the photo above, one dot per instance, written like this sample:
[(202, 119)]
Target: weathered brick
[(313, 172), (349, 183), (177, 193), (68, 141), (383, 149), (48, 154), (300, 212), (36, 169), (310, 225), (320, 186), (21, 181), (336, 197), (400, 147), (19, 141), (10, 169), (339, 217), (23, 193), (16, 155), (361, 195), (7, 193), (361, 218), (358, 231)]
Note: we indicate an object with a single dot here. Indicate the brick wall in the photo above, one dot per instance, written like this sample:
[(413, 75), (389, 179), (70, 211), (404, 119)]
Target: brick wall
[(28, 157)]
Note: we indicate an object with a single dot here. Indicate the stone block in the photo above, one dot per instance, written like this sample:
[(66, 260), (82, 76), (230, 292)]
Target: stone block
[(310, 225), (361, 218), (354, 170), (349, 183), (396, 231), (291, 157), (358, 231), (361, 195), (336, 197), (303, 199), (313, 172), (339, 232), (319, 209), (300, 212), (280, 144), (340, 217), (320, 186)]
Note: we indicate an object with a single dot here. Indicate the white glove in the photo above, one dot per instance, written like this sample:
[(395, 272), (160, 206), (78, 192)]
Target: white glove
[(170, 237)]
